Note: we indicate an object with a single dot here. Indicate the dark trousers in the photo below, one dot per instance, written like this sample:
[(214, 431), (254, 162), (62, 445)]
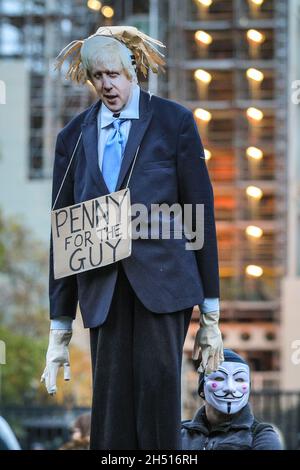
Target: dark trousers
[(136, 363)]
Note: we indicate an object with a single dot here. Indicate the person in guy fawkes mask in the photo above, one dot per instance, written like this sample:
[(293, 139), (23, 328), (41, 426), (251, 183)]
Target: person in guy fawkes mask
[(226, 420), (138, 309)]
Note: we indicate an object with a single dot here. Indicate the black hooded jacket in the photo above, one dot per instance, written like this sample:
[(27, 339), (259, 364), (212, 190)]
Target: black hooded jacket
[(240, 432)]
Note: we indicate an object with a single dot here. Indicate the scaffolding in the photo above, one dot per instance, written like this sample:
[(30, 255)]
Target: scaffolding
[(235, 83), (40, 30)]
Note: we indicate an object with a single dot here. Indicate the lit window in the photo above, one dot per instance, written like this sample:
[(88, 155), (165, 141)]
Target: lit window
[(255, 36), (94, 5), (255, 75), (202, 76), (254, 271), (254, 192), (107, 11), (254, 231), (255, 114), (207, 154), (203, 37), (205, 3), (257, 2), (255, 153), (202, 114)]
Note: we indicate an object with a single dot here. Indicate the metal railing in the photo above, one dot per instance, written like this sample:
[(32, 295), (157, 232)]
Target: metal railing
[(49, 427)]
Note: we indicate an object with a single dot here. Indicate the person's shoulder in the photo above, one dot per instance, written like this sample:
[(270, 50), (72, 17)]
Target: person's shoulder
[(185, 428), (74, 125), (266, 436), (170, 106)]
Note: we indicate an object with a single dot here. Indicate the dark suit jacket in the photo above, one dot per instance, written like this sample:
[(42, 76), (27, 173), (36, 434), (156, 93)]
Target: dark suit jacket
[(170, 168)]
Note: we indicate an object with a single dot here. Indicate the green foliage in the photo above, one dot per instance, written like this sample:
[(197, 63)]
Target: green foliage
[(24, 365), (24, 323), (23, 280)]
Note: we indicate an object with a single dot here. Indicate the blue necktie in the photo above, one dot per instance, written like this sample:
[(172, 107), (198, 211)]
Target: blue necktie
[(112, 155)]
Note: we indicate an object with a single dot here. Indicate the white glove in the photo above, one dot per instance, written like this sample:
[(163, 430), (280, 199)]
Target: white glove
[(57, 356), (209, 340)]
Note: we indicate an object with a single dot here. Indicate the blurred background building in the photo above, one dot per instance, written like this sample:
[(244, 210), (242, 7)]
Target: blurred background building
[(233, 63), (228, 64)]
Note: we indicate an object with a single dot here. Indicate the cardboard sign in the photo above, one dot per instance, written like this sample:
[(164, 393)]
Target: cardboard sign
[(91, 234)]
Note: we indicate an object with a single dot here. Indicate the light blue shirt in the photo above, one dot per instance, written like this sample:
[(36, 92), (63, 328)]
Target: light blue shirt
[(210, 305), (105, 117)]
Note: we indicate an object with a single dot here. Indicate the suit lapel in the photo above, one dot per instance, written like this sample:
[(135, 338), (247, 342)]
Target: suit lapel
[(136, 134)]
